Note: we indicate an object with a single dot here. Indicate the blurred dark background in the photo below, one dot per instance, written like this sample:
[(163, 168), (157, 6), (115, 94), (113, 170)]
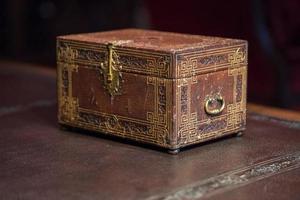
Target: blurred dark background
[(28, 29)]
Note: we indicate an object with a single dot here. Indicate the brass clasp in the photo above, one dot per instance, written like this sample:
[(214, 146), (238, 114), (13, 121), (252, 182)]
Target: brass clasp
[(110, 72)]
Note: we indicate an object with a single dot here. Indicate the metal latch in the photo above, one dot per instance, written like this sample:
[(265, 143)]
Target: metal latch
[(110, 69)]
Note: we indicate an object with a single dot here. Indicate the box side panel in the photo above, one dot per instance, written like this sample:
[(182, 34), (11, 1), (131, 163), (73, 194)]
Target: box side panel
[(216, 87), (141, 111)]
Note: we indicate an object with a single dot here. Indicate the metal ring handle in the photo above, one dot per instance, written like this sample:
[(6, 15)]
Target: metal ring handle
[(215, 111)]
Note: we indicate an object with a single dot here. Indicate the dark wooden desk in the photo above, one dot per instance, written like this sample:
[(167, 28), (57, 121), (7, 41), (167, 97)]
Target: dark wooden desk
[(39, 161)]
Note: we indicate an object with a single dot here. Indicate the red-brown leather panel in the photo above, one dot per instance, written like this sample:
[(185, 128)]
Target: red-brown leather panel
[(136, 99)]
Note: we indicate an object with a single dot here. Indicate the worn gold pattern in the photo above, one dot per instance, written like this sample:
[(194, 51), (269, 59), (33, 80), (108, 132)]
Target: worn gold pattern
[(160, 127), (155, 129), (190, 130), (68, 105)]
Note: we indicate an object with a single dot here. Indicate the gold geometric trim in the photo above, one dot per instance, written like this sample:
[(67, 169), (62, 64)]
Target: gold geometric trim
[(189, 128)]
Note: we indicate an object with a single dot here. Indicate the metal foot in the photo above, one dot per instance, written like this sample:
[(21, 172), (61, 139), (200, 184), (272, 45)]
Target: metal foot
[(240, 133), (173, 151)]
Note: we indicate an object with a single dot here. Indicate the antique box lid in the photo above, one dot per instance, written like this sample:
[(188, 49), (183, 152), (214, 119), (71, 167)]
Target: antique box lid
[(160, 54)]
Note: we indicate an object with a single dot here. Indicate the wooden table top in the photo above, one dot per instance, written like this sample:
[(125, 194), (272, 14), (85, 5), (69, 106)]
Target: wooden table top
[(40, 161)]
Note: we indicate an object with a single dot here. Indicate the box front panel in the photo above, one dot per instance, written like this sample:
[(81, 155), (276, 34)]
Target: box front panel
[(213, 103), (139, 111)]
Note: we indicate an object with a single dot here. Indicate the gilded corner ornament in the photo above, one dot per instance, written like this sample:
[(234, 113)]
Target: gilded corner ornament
[(68, 105), (237, 57)]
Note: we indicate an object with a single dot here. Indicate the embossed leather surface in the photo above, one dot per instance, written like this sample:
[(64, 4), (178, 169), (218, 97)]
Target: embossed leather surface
[(160, 89), (154, 40), (39, 161)]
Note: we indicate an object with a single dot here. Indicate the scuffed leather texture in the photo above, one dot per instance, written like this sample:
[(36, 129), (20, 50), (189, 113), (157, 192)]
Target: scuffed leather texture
[(153, 40), (162, 85), (40, 161)]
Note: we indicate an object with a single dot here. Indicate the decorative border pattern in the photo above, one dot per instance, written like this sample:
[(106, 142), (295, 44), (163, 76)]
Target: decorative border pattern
[(67, 104), (158, 128), (200, 62), (155, 129), (148, 63), (233, 179), (189, 129)]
